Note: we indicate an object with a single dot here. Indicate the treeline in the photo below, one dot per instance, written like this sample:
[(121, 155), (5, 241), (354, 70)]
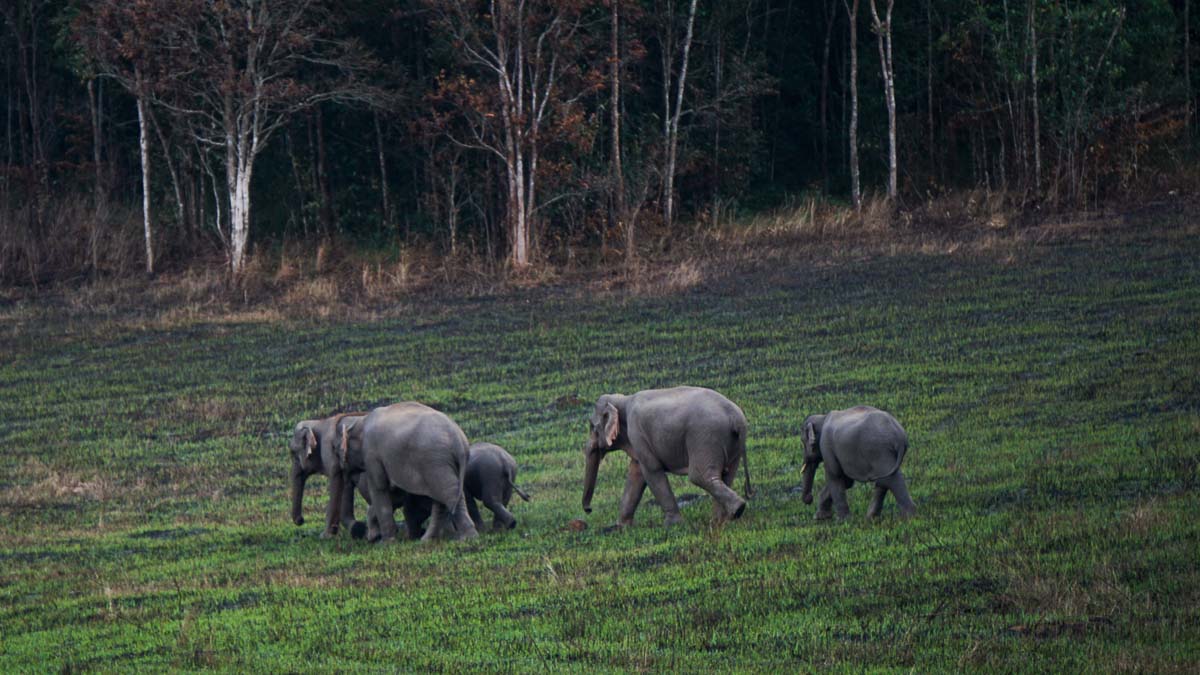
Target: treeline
[(518, 129)]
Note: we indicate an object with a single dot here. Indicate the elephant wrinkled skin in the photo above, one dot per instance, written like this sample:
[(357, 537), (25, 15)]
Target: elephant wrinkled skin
[(491, 478), (409, 451), (857, 444), (684, 430)]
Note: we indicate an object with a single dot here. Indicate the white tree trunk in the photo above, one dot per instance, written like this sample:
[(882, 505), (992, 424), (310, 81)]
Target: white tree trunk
[(883, 31), (673, 134), (855, 187), (144, 142)]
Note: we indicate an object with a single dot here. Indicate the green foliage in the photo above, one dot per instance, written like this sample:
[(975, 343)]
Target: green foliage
[(1049, 393)]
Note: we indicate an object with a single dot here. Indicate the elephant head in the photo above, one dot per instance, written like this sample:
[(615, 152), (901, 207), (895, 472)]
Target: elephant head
[(306, 460), (812, 454), (607, 432)]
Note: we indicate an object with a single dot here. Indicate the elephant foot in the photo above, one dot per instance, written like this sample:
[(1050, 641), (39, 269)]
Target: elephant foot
[(673, 519), (823, 515), (739, 510), (358, 530), (385, 540), (328, 534)]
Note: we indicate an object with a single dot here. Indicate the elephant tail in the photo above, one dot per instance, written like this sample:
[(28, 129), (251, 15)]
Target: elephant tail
[(739, 439), (512, 481)]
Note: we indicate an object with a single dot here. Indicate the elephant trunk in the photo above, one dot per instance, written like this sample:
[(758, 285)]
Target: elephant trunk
[(806, 476), (299, 478), (589, 479)]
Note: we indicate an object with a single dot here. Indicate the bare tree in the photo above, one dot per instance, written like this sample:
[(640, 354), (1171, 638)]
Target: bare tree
[(614, 102), (1033, 86), (830, 18), (883, 33), (530, 51), (855, 187), (238, 68), (1187, 65), (671, 114)]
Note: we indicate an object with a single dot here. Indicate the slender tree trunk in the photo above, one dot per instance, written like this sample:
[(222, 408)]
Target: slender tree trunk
[(1187, 65), (144, 143), (384, 194), (328, 217), (99, 199), (830, 19), (618, 174), (932, 139), (883, 32), (855, 187), (166, 148), (1033, 85), (673, 134), (716, 198)]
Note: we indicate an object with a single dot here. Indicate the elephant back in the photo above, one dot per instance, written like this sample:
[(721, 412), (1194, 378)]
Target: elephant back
[(869, 443)]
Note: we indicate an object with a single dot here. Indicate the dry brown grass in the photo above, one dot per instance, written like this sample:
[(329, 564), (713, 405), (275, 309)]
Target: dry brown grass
[(332, 280)]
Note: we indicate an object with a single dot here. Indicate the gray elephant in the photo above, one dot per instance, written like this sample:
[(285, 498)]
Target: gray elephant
[(314, 450), (407, 451), (491, 478), (857, 444), (684, 430)]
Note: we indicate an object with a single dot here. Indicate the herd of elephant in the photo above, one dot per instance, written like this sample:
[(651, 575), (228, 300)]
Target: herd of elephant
[(412, 457)]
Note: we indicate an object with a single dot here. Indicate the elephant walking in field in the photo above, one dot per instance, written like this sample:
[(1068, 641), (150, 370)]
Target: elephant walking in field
[(314, 450), (409, 450), (857, 444), (684, 430), (491, 478)]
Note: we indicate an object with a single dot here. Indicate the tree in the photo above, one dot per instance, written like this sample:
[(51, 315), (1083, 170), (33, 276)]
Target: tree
[(523, 76), (671, 113), (237, 70), (852, 16), (883, 31)]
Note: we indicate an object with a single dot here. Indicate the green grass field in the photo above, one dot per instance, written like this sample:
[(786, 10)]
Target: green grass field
[(1051, 393)]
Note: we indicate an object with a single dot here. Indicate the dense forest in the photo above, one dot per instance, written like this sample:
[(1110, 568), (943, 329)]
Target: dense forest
[(150, 134)]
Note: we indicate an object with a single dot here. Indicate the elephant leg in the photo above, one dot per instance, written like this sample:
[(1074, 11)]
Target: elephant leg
[(899, 488), (460, 521), (837, 490), (385, 516), (436, 518), (414, 517), (635, 487), (877, 500), (473, 511), (727, 505), (824, 503), (503, 519), (661, 489)]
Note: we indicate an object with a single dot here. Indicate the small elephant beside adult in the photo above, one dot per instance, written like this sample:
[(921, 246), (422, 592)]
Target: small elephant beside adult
[(405, 452), (861, 444), (682, 430), (491, 478)]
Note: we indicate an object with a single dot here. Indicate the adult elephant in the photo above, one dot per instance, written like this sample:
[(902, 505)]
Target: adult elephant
[(407, 451), (862, 444), (314, 450), (683, 430)]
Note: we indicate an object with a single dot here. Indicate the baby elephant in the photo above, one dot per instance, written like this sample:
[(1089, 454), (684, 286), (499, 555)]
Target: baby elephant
[(491, 476), (857, 444)]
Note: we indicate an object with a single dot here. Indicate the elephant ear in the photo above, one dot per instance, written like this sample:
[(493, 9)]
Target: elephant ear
[(346, 425), (310, 442), (612, 424), (810, 436)]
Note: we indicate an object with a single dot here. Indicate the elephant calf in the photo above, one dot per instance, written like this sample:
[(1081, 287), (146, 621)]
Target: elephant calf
[(857, 444), (491, 476)]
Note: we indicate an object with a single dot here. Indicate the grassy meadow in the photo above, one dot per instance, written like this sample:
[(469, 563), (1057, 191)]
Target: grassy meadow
[(1050, 387)]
